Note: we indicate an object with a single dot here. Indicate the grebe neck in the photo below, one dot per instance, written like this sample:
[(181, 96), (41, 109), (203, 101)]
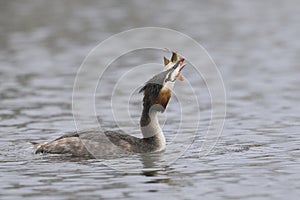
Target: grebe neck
[(151, 129)]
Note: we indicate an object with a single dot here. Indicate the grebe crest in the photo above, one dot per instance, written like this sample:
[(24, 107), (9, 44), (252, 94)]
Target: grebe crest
[(157, 93)]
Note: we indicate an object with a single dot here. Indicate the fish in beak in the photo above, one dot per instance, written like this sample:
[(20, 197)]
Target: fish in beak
[(168, 64)]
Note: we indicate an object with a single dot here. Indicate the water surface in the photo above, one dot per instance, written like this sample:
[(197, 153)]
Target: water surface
[(256, 47)]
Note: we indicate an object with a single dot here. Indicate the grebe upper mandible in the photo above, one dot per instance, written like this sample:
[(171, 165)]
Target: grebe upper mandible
[(157, 93)]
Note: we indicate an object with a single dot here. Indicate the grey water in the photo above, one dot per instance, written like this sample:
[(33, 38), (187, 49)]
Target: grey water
[(254, 44)]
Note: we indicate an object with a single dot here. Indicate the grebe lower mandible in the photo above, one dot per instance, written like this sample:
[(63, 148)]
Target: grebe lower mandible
[(157, 93)]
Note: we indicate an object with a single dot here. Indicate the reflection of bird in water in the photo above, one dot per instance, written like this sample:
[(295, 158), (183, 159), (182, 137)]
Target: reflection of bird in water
[(157, 92)]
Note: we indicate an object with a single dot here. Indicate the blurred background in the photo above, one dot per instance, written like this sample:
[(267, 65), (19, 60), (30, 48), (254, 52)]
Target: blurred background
[(255, 45)]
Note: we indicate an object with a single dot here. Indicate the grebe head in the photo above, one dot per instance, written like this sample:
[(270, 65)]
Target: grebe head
[(157, 91)]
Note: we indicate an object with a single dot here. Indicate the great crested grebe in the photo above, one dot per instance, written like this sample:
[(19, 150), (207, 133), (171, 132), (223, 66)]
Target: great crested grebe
[(157, 93)]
